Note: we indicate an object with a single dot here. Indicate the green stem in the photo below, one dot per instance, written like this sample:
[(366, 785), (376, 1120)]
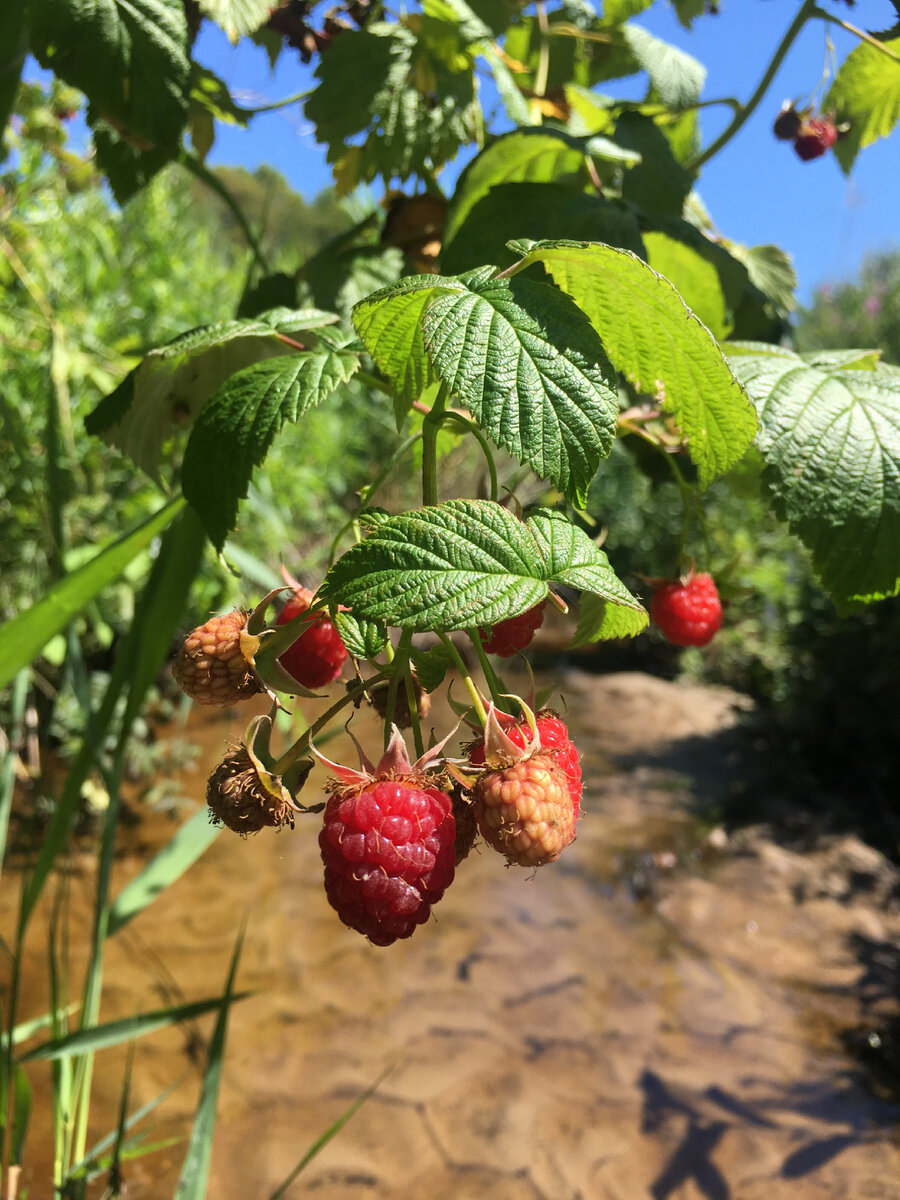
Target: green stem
[(413, 701), (399, 668), (193, 164), (369, 380), (490, 677), (276, 104), (860, 33), (543, 69), (807, 9), (474, 696), (430, 427), (476, 433), (303, 742)]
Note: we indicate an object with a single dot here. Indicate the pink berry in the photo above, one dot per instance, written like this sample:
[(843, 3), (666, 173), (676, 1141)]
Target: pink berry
[(554, 738), (815, 137), (689, 612)]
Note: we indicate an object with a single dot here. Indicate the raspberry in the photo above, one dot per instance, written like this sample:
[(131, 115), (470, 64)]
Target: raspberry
[(466, 825), (515, 633), (388, 843), (525, 810), (389, 853), (318, 654), (688, 612), (787, 123), (554, 737), (245, 798), (815, 137), (215, 665)]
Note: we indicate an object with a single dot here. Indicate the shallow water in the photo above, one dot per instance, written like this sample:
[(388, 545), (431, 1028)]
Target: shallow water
[(651, 1017)]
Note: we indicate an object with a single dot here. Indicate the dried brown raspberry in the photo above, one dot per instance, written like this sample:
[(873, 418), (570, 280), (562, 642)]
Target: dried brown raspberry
[(246, 797)]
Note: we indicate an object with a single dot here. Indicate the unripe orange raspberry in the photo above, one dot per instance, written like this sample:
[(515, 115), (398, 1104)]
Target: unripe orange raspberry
[(525, 810), (215, 665)]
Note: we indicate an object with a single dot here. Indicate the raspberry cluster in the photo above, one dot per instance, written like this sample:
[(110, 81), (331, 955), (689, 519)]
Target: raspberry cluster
[(812, 134)]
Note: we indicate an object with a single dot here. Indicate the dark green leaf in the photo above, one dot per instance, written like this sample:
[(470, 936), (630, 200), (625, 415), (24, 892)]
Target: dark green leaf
[(127, 167), (658, 183), (130, 60), (237, 426), (432, 665), (831, 440), (363, 639)]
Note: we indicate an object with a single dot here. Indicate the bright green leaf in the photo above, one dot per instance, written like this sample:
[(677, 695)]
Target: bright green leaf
[(363, 639), (237, 426), (831, 440), (598, 620), (466, 564), (169, 388), (22, 638), (866, 94), (771, 270), (659, 345), (675, 76), (237, 17), (693, 276)]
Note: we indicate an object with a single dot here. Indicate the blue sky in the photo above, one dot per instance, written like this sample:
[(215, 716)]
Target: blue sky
[(757, 190)]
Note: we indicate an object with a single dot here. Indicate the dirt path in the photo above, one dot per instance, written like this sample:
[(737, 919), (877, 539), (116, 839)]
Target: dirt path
[(654, 1017)]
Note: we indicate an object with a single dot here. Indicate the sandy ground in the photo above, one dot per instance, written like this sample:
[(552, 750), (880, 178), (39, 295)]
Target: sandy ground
[(662, 1014)]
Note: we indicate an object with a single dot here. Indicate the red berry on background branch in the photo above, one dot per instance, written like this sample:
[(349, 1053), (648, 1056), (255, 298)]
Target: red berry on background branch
[(815, 137), (318, 654), (388, 843), (688, 611), (515, 633)]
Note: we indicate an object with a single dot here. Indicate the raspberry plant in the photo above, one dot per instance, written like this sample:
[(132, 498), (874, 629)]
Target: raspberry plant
[(570, 293)]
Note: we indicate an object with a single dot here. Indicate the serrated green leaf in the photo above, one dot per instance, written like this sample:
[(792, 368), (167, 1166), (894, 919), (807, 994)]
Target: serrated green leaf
[(130, 60), (845, 360), (464, 564), (170, 387), (363, 639), (517, 107), (659, 345), (598, 621), (531, 370), (237, 17), (238, 424), (547, 210), (688, 10), (127, 167), (523, 156), (390, 324), (615, 12), (676, 77), (395, 90), (866, 94), (695, 279), (432, 665), (831, 440), (771, 270)]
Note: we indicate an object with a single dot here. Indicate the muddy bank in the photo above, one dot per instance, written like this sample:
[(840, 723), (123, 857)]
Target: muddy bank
[(663, 1014)]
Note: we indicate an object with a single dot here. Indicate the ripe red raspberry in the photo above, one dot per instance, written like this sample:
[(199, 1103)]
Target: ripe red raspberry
[(215, 665), (815, 137), (689, 612), (525, 810), (388, 843), (515, 633), (318, 654), (554, 737)]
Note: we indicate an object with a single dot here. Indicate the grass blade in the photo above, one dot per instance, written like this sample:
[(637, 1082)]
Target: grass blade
[(23, 638), (329, 1133), (90, 1160), (99, 1037), (10, 754), (195, 1169), (22, 1102), (189, 843)]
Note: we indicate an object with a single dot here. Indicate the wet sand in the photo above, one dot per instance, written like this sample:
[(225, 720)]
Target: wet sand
[(656, 1016)]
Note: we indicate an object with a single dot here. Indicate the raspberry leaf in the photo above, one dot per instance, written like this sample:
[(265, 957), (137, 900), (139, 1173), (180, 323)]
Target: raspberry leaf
[(830, 436), (676, 77), (238, 424), (598, 620), (167, 391), (466, 563), (655, 340), (432, 665), (531, 370), (237, 17), (866, 94), (363, 639), (131, 60)]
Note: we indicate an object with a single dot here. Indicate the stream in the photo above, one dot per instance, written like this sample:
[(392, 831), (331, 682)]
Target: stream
[(666, 1013)]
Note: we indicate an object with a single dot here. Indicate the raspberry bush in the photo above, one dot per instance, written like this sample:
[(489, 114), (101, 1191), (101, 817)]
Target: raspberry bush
[(482, 318)]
